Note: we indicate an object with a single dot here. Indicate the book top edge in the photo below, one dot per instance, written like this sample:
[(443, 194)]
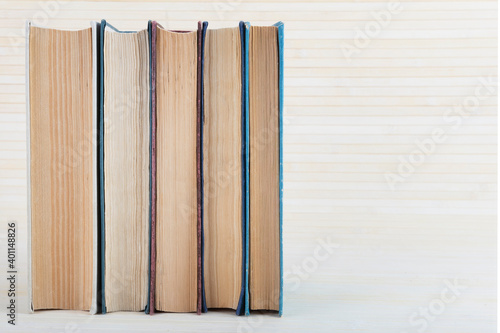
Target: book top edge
[(175, 31), (113, 30), (225, 28), (32, 25)]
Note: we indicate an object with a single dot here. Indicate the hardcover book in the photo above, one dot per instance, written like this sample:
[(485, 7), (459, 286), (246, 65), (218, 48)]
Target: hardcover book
[(177, 247), (124, 167), (264, 51), (223, 169), (61, 162)]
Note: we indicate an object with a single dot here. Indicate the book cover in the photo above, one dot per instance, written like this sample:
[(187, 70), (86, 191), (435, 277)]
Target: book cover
[(152, 26), (201, 303)]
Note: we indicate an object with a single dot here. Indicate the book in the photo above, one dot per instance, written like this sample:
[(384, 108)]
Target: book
[(265, 156), (223, 169), (176, 242), (124, 167), (61, 164)]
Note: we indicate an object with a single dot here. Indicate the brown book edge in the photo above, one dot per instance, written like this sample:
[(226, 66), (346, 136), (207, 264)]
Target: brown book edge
[(154, 26)]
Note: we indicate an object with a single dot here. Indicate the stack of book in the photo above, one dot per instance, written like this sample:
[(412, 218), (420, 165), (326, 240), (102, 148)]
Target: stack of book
[(155, 168)]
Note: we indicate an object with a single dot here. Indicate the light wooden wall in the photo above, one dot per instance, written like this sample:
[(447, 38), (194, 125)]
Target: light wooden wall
[(347, 124)]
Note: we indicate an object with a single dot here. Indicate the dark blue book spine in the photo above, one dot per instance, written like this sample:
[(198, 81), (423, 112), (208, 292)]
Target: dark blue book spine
[(245, 55), (241, 303), (101, 160), (202, 304)]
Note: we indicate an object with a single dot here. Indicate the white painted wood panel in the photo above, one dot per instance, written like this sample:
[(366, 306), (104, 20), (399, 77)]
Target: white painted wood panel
[(349, 123)]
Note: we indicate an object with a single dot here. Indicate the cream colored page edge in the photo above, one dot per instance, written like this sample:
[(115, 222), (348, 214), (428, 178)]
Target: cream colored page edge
[(108, 29)]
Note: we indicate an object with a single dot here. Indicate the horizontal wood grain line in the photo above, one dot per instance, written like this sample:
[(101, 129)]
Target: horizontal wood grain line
[(295, 123), (216, 8), (396, 209), (307, 165), (28, 2), (409, 81), (389, 120), (431, 159), (397, 63), (400, 195), (376, 182), (368, 67), (368, 150), (408, 130), (383, 173), (439, 44), (321, 95), (378, 91), (377, 110), (461, 221), (388, 203), (390, 192), (389, 136), (358, 103), (268, 5), (396, 23), (334, 54), (386, 139), (352, 63), (257, 12)]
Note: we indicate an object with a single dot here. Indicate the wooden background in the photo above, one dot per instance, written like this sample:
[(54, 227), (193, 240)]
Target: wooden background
[(348, 124)]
